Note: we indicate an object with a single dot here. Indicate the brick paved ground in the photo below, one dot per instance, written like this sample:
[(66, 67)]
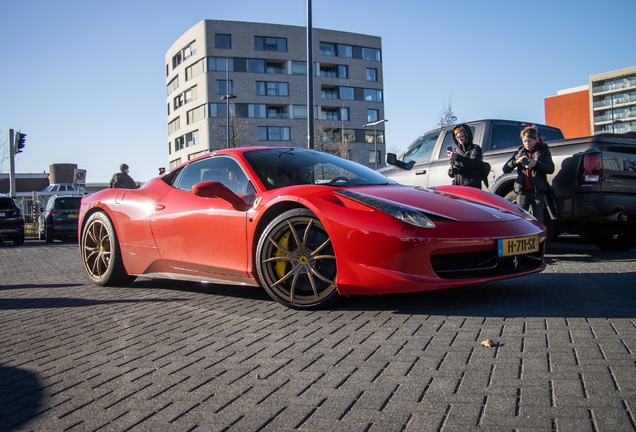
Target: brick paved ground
[(183, 356)]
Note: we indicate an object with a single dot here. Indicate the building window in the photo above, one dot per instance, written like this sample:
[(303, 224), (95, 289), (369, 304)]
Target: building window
[(345, 51), (372, 74), (195, 69), (275, 68), (192, 138), (174, 126), (270, 44), (196, 114), (337, 71), (221, 87), (374, 157), (349, 135), (300, 111), (373, 115), (176, 60), (189, 51), (264, 88), (372, 95), (327, 49), (217, 64), (173, 84), (277, 112), (175, 162), (179, 143), (299, 68), (219, 110), (371, 54), (222, 41), (346, 93), (254, 65), (178, 101), (369, 136), (330, 114), (273, 133), (257, 110), (190, 94), (344, 114)]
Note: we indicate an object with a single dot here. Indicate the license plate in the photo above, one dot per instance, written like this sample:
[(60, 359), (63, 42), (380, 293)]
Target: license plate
[(517, 245)]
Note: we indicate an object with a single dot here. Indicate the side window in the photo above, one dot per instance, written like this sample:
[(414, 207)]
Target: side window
[(422, 150), (450, 142), (505, 136), (222, 169)]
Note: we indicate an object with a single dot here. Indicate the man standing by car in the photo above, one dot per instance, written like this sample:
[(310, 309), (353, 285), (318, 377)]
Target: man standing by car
[(465, 159), (122, 180), (533, 161)]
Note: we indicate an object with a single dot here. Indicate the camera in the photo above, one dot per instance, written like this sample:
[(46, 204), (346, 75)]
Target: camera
[(525, 161), (449, 148)]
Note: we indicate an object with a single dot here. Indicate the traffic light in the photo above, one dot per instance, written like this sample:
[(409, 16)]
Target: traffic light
[(162, 170), (20, 138)]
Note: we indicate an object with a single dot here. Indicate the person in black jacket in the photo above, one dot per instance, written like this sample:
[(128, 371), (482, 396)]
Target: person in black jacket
[(533, 162), (466, 159), (122, 179)]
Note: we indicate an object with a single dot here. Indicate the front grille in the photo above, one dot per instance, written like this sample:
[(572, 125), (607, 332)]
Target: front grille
[(481, 264)]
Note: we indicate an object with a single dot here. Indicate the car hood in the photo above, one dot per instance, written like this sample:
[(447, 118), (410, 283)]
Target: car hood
[(443, 204)]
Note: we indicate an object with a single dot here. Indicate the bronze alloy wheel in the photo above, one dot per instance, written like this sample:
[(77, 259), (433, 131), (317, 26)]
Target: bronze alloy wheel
[(297, 264), (100, 252)]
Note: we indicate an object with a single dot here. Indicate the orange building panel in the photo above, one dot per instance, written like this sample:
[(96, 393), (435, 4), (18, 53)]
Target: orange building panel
[(570, 112)]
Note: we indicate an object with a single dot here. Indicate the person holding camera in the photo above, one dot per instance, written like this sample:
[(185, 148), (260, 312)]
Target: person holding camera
[(465, 159), (533, 162)]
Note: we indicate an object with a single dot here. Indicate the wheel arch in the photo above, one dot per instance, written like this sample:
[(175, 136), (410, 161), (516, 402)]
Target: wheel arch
[(270, 214)]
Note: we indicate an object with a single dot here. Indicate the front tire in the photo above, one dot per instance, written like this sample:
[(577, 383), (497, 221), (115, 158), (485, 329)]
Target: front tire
[(101, 254), (296, 262)]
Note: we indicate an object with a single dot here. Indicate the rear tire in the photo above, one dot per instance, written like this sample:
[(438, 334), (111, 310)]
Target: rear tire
[(19, 240), (101, 254), (614, 237)]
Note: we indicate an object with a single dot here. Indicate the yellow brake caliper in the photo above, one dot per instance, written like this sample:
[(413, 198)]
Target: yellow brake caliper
[(281, 266)]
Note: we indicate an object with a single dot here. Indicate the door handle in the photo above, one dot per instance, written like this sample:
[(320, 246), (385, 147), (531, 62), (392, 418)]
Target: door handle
[(422, 171), (159, 207)]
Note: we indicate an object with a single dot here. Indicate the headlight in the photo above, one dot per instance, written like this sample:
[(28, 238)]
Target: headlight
[(405, 213), (526, 214)]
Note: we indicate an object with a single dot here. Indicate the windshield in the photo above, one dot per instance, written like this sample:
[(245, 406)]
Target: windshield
[(285, 167)]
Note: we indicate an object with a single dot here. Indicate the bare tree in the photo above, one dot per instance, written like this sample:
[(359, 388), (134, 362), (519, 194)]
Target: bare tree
[(239, 132), (447, 117)]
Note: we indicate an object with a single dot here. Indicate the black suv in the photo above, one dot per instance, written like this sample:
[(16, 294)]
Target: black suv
[(59, 220), (11, 221)]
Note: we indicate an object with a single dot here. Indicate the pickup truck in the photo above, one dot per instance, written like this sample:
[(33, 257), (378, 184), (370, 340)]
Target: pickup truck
[(594, 182)]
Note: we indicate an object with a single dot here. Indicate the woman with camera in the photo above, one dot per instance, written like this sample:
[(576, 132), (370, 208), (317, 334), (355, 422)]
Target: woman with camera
[(533, 162)]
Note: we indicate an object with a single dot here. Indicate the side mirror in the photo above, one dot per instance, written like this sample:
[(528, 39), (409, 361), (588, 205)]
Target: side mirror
[(214, 189), (391, 159)]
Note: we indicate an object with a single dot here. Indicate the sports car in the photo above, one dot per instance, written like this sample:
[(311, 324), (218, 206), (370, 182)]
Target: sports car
[(309, 227)]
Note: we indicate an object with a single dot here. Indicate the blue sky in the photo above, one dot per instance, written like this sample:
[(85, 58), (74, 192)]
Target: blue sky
[(86, 80)]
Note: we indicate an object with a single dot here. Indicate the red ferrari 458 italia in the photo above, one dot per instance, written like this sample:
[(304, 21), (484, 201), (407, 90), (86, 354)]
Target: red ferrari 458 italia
[(309, 227)]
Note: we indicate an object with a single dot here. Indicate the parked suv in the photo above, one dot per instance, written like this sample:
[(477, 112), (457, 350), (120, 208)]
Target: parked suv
[(59, 220), (11, 221)]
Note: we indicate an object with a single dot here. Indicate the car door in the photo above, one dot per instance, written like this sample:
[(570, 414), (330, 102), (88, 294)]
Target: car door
[(197, 233), (420, 153)]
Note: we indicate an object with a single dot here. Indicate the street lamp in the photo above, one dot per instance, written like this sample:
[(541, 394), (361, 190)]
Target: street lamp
[(227, 98), (375, 138)]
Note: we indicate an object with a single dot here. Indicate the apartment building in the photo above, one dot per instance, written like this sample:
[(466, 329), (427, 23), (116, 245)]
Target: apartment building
[(607, 104), (257, 73)]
